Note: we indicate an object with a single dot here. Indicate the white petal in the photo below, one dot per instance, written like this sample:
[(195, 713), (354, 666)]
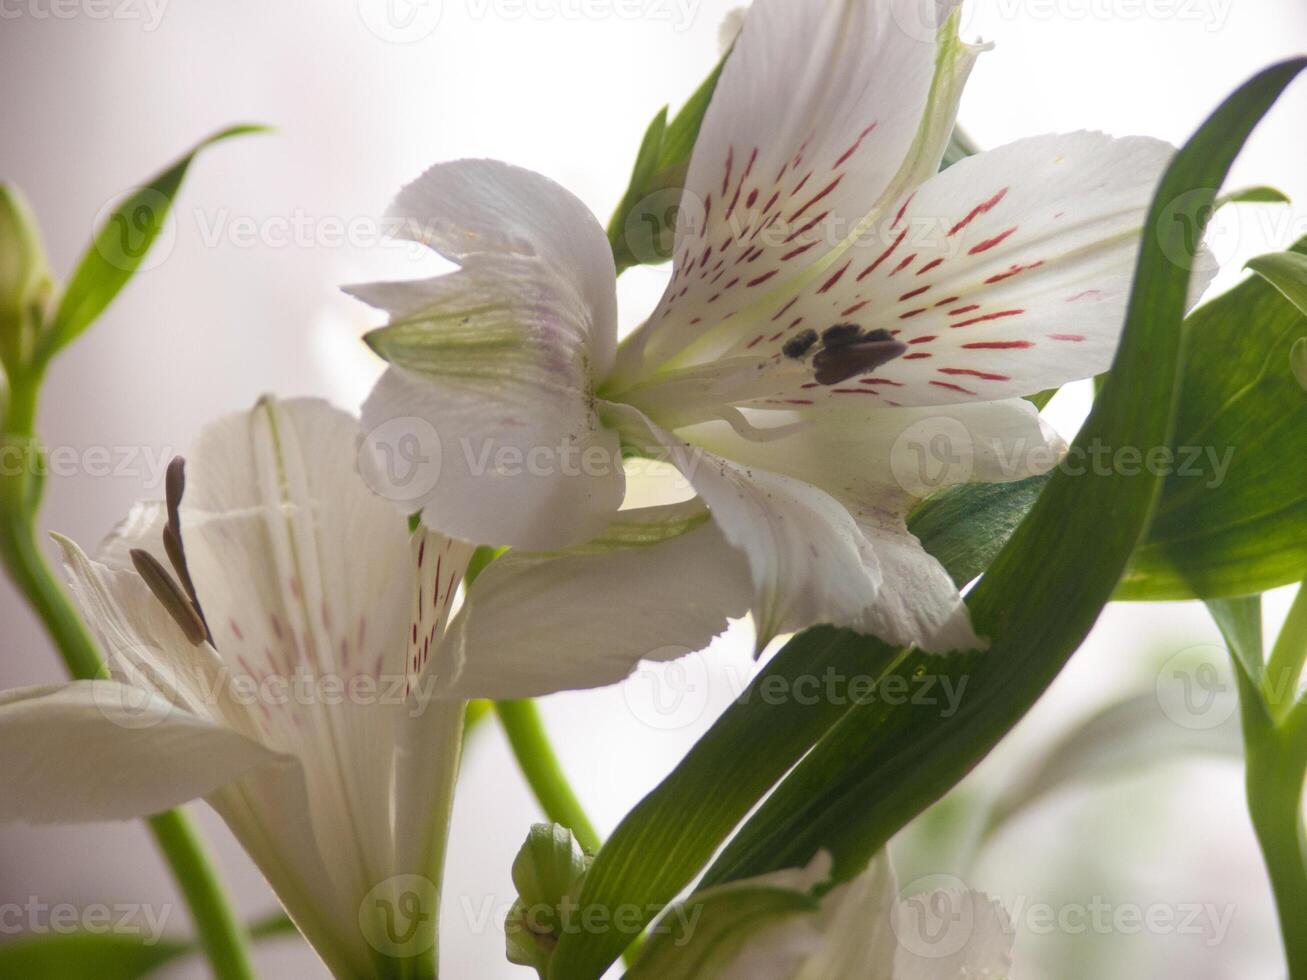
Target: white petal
[(823, 114), (858, 940), (513, 466), (660, 584), (305, 575), (1004, 275), (883, 460), (499, 360), (807, 557), (917, 604), (142, 644), (952, 935), (99, 750)]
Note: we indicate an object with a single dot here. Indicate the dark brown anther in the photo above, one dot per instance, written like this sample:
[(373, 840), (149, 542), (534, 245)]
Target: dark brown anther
[(833, 365), (170, 595), (799, 344), (174, 487), (841, 335)]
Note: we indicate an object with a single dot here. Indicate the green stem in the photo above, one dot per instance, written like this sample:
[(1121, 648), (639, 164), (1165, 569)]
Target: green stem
[(222, 937), (1284, 668), (530, 743), (1277, 767)]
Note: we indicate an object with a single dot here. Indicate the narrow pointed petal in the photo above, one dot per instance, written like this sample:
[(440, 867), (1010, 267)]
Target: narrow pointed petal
[(110, 752), (1004, 275), (659, 584), (495, 364), (825, 113)]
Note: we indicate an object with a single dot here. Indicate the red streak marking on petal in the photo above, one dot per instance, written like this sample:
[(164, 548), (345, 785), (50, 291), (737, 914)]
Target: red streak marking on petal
[(855, 391), (924, 339), (730, 159), (915, 357), (986, 245), (752, 198), (1087, 294), (714, 297), (930, 265), (732, 282), (235, 628), (952, 387), (911, 313), (854, 308), (799, 186), (915, 292), (835, 278), (999, 345), (985, 375), (810, 384), (771, 202), (986, 317), (760, 280), (947, 300), (727, 244), (697, 319), (422, 550), (902, 211), (904, 264), (1016, 270), (883, 256), (978, 210), (880, 381), (781, 312), (754, 342), (817, 197), (1075, 338), (808, 227), (797, 251), (798, 401), (776, 336), (854, 148), (964, 309)]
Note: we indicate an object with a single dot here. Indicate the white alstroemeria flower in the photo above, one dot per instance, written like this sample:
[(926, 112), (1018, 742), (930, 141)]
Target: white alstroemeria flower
[(841, 319), (304, 663), (761, 929)]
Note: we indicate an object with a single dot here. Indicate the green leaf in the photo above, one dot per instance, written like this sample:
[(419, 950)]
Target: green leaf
[(1233, 515), (705, 934), (884, 763), (1253, 195), (119, 247), (108, 956), (1287, 272), (1123, 737), (642, 229)]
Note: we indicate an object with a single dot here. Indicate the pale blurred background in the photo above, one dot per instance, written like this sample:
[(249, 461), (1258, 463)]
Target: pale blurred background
[(242, 300)]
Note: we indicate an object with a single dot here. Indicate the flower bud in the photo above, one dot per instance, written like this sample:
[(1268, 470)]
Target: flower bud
[(547, 873), (24, 273)]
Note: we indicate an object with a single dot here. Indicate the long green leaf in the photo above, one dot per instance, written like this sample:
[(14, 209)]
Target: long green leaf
[(108, 956), (883, 764), (120, 245), (1233, 515)]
